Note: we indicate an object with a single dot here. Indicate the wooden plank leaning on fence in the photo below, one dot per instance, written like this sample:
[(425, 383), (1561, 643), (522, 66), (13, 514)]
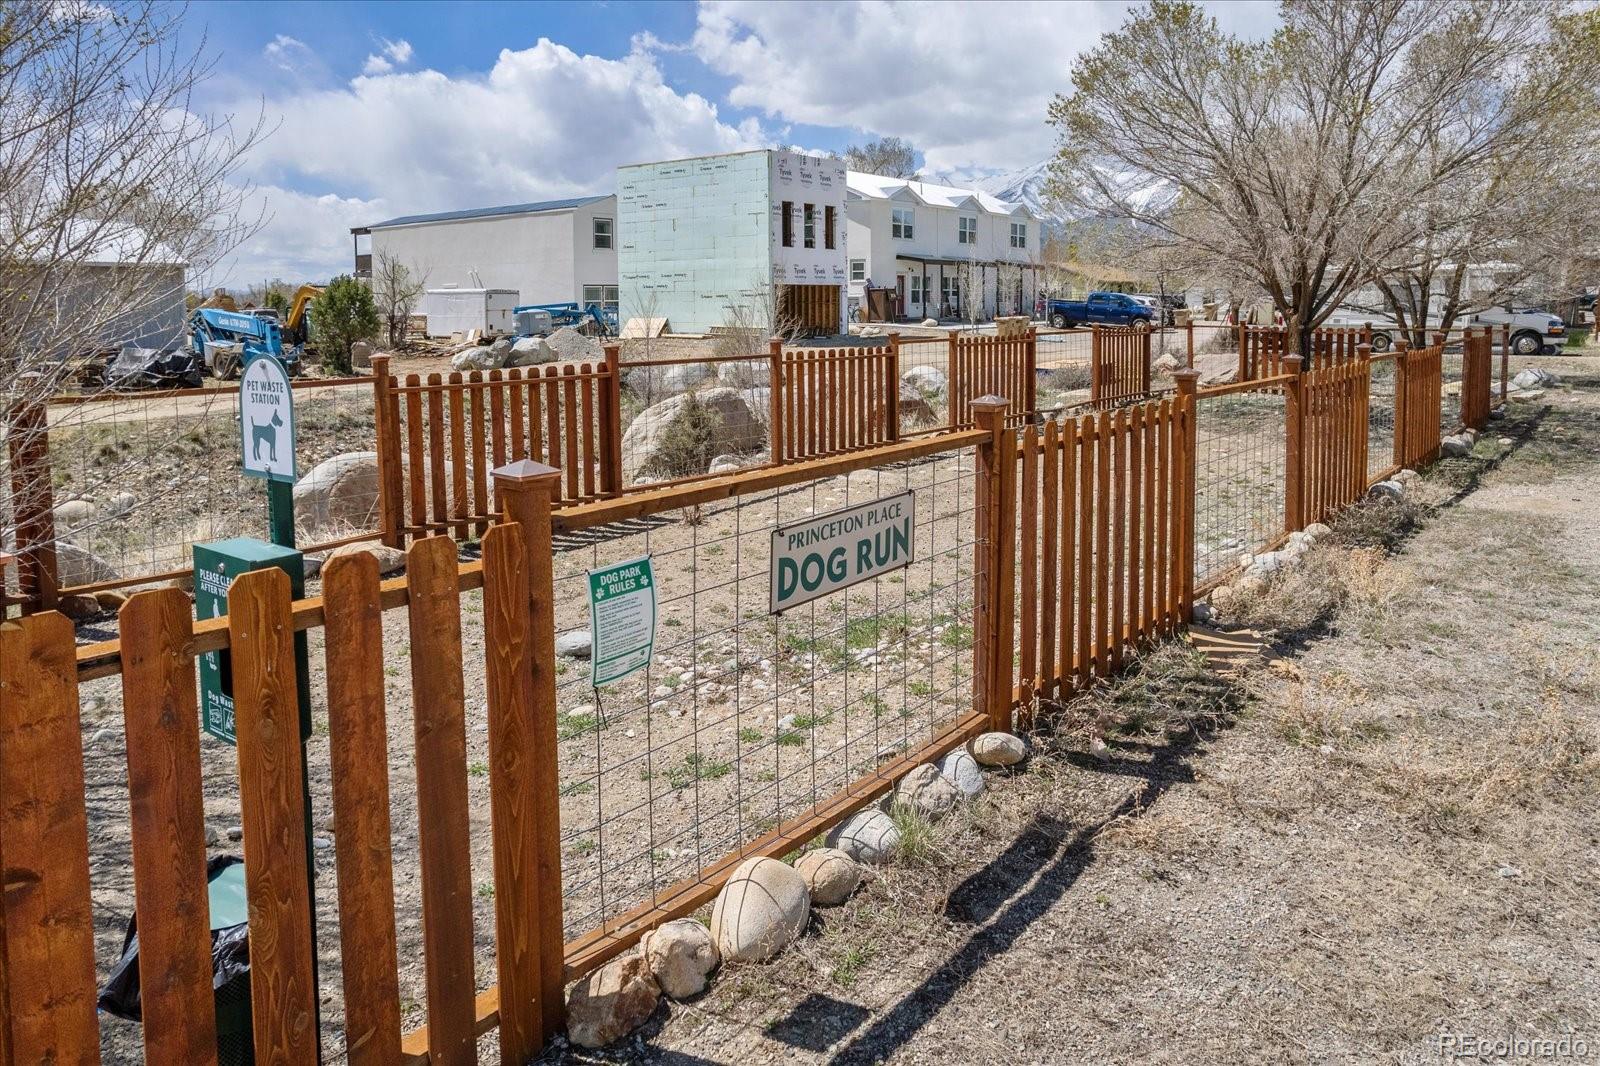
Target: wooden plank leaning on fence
[(33, 505), (47, 993)]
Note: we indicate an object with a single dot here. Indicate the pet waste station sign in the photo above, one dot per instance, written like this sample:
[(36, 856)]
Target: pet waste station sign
[(841, 548), (622, 620), (266, 420)]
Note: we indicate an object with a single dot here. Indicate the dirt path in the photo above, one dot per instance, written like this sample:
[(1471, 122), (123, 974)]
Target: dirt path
[(1392, 843)]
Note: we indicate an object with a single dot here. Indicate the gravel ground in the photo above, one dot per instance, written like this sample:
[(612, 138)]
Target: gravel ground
[(1393, 840)]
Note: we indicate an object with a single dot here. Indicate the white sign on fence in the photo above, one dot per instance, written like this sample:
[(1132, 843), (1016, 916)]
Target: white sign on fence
[(836, 550), (622, 620), (266, 420)]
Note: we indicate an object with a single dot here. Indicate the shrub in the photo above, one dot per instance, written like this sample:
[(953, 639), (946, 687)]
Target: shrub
[(688, 444), (341, 315)]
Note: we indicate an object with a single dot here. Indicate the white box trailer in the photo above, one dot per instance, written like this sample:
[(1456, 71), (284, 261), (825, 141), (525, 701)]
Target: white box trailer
[(452, 311)]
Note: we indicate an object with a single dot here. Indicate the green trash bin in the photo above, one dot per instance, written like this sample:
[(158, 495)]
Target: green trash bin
[(230, 909)]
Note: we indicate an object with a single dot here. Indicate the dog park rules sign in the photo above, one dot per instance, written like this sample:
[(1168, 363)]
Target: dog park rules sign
[(834, 551), (266, 420), (622, 620)]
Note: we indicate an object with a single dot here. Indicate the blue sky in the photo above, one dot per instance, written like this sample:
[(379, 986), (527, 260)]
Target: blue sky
[(381, 109)]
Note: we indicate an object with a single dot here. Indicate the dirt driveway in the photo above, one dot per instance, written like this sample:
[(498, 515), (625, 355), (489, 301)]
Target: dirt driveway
[(1386, 843)]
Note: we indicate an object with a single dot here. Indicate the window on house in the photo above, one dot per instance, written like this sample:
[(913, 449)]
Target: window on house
[(950, 292), (828, 215), (811, 226), (788, 223), (902, 221), (602, 233), (858, 270), (604, 295), (1019, 234), (966, 230), (916, 289)]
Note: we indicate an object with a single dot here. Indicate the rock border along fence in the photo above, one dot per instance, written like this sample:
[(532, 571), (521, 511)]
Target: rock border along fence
[(1083, 547)]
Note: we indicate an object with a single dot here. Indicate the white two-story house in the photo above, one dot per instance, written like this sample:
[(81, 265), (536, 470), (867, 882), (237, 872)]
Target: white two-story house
[(947, 253)]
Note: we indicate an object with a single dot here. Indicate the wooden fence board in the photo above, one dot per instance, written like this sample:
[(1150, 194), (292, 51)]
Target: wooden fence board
[(44, 839), (167, 823), (443, 827), (283, 994), (358, 754)]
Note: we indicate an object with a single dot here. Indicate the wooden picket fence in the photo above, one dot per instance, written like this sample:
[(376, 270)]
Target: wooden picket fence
[(1262, 349), (1119, 366), (991, 366), (826, 401), (1477, 374), (1418, 391), (1326, 420), (1105, 537)]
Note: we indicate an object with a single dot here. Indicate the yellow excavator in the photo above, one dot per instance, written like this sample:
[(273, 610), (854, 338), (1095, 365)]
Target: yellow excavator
[(297, 324)]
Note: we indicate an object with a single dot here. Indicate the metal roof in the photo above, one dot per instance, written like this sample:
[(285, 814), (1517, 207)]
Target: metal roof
[(489, 212)]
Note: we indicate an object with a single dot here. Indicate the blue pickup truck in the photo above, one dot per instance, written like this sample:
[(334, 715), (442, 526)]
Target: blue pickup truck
[(1101, 308)]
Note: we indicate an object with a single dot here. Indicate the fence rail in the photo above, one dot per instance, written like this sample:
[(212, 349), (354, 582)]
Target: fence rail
[(1120, 366)]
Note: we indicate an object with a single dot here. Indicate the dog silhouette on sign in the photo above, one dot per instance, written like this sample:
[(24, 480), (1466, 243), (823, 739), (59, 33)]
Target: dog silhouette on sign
[(267, 433)]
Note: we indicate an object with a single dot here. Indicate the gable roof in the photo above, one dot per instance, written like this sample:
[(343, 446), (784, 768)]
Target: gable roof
[(878, 187), (490, 212)]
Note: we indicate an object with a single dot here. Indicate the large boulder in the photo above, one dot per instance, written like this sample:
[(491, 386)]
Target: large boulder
[(652, 446), (930, 381), (529, 351), (1534, 378), (760, 911), (80, 566), (830, 874), (612, 1002), (998, 749), (962, 771), (744, 373), (915, 410), (1455, 447), (389, 559), (1217, 368), (480, 357), (681, 955), (926, 791), (341, 492), (682, 377), (575, 644), (868, 836)]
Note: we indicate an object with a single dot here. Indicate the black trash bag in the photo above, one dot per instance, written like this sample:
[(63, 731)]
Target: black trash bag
[(230, 958)]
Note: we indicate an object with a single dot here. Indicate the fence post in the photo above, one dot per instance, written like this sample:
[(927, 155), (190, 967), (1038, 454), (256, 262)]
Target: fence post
[(33, 503), (1188, 329), (891, 384), (611, 424), (1505, 358), (1031, 372), (526, 492), (1183, 547), (386, 421), (775, 401), (1144, 363), (1401, 347), (1244, 338), (951, 391), (995, 512), (1095, 384), (1294, 466)]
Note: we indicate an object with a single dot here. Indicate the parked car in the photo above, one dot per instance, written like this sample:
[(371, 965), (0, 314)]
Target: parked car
[(1172, 303), (1102, 309), (1532, 331)]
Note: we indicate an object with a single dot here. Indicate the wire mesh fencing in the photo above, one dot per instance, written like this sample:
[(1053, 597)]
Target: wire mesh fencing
[(744, 718), (1240, 462), (139, 480), (1380, 417)]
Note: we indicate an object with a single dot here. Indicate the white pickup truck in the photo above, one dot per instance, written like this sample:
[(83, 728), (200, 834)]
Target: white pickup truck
[(1532, 331)]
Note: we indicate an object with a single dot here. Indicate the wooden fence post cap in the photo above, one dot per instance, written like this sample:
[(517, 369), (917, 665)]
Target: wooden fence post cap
[(1292, 363), (523, 471), (1364, 351), (1187, 378), (989, 404)]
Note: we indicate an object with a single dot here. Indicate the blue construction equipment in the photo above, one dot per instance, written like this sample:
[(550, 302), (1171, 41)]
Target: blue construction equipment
[(571, 314), (225, 340)]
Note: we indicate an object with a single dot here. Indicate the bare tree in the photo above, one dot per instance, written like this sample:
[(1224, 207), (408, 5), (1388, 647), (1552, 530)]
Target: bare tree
[(1296, 163), (889, 157), (113, 188), (397, 288)]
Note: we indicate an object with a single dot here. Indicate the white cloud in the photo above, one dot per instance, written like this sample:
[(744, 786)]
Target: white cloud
[(968, 84), (543, 122), (302, 237), (392, 54), (289, 54)]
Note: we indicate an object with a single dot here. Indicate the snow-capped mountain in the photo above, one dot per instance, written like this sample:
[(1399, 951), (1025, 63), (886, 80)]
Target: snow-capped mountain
[(1025, 185)]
